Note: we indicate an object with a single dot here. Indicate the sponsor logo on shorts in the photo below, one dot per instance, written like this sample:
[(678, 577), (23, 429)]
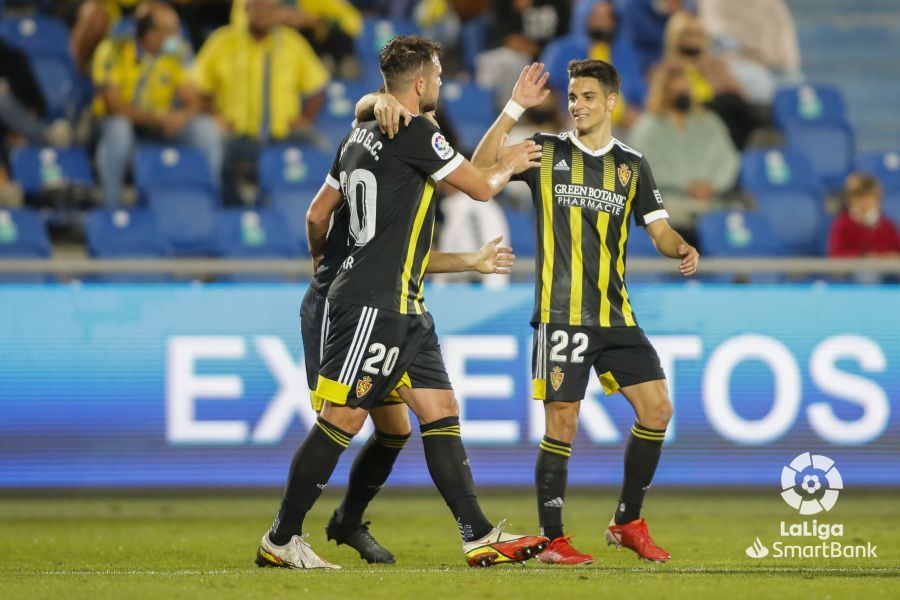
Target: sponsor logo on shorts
[(363, 386), (556, 378), (624, 174)]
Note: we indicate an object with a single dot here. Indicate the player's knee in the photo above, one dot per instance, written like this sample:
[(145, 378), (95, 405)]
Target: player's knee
[(347, 419), (657, 413), (561, 422)]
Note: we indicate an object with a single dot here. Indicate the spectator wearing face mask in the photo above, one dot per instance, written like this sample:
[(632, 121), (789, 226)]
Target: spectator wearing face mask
[(694, 160), (644, 24), (862, 230), (595, 33), (143, 94), (711, 80)]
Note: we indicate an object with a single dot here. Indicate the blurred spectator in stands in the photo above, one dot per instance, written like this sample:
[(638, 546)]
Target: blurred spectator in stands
[(96, 20), (521, 30), (711, 80), (862, 230), (644, 24), (330, 27), (595, 33), (143, 94), (467, 227), (757, 38), (21, 109), (694, 161), (264, 84)]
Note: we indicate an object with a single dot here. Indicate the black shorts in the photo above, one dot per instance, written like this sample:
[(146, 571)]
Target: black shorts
[(369, 352), (564, 354)]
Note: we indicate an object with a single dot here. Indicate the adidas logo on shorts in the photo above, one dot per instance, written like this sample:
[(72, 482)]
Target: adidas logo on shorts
[(562, 166), (555, 503)]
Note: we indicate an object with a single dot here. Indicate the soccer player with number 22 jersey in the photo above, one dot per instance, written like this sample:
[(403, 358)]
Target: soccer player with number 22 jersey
[(587, 187)]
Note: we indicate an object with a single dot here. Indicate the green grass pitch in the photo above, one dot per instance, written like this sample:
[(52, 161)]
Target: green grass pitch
[(202, 546)]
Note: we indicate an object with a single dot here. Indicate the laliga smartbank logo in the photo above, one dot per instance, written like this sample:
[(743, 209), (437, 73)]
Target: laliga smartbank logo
[(811, 484)]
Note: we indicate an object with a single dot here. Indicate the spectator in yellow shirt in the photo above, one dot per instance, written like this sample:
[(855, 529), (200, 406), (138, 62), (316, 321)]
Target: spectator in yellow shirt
[(142, 92), (330, 26), (263, 83), (96, 19)]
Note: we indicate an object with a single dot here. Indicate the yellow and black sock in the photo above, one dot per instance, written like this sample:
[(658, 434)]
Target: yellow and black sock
[(642, 453), (551, 472), (370, 470), (449, 469), (313, 464)]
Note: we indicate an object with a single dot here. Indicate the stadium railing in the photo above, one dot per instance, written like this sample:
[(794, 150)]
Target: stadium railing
[(190, 267)]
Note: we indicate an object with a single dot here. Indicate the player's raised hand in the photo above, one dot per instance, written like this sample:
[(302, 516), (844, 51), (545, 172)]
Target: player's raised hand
[(689, 259), (493, 258), (388, 113), (522, 156), (530, 90)]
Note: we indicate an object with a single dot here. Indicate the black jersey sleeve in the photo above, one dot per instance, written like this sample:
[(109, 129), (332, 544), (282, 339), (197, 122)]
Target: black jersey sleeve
[(531, 175), (648, 202), (423, 147)]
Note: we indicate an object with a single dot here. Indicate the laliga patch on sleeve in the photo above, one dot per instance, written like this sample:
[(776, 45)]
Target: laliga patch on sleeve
[(441, 146), (658, 196)]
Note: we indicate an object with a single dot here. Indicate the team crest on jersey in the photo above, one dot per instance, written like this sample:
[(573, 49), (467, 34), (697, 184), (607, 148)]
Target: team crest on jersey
[(363, 386), (624, 174), (556, 378), (441, 146)]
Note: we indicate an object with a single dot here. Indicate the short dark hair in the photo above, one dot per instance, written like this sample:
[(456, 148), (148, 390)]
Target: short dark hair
[(405, 55), (861, 183), (600, 70), (144, 19)]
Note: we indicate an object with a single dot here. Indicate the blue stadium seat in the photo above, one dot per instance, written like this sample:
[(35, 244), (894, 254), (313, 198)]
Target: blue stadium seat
[(289, 168), (252, 234), (23, 235), (125, 234), (884, 165), (121, 234), (375, 34), (186, 218), (796, 218), (336, 117), (828, 146), (292, 205), (737, 234), (639, 244), (809, 103), (157, 166), (471, 110), (37, 168), (777, 169), (521, 231), (45, 40)]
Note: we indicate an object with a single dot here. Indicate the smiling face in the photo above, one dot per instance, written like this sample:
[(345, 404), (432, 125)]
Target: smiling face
[(589, 105)]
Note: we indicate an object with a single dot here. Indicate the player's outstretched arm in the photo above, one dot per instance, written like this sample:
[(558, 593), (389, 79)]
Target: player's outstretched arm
[(670, 243), (385, 109), (318, 218), (529, 92), (484, 183), (492, 258)]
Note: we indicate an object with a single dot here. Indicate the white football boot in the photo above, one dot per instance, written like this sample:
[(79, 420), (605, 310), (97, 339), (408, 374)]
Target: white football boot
[(296, 554)]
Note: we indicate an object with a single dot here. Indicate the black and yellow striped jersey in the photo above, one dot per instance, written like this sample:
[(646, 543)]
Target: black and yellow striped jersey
[(388, 186), (583, 201)]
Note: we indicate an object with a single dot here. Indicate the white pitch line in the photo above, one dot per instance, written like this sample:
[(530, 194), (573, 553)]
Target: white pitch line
[(505, 571)]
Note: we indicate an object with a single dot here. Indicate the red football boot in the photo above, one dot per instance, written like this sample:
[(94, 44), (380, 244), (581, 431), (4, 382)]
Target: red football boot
[(561, 552), (634, 536)]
